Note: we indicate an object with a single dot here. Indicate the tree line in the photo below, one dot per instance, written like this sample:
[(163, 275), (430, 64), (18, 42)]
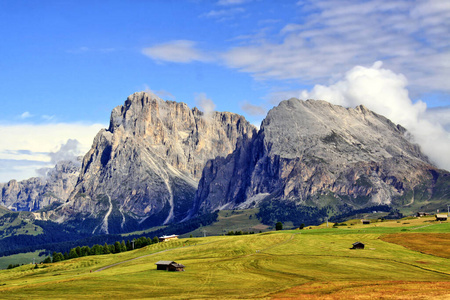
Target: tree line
[(62, 238), (97, 249)]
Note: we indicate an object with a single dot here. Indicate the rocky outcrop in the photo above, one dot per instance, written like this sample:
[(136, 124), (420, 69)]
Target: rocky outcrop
[(36, 193), (144, 169), (317, 154)]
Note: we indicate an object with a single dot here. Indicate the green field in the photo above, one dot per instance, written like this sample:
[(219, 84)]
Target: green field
[(311, 263), (232, 220), (21, 258), (16, 223)]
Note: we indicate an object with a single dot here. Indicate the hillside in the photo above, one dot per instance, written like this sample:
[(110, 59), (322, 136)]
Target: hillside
[(313, 263)]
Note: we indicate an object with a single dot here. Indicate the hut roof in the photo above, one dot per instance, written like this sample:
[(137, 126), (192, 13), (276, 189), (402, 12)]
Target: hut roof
[(168, 236), (357, 243), (164, 262)]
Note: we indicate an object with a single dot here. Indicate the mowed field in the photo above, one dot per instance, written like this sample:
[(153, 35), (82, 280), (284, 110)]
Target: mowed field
[(308, 264)]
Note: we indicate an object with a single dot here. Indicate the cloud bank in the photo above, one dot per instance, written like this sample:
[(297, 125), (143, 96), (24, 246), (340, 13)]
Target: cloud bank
[(179, 51), (384, 92), (411, 37), (28, 147)]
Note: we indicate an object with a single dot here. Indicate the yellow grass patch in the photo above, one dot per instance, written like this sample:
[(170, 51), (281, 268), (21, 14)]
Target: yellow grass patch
[(367, 290), (437, 244)]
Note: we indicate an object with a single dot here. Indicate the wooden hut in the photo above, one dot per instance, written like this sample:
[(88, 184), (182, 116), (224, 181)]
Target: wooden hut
[(176, 267), (167, 265), (441, 217), (365, 221), (357, 245), (166, 238), (421, 214)]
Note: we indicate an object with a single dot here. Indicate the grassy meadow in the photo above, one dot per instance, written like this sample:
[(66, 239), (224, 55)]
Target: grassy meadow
[(314, 263), (232, 220), (21, 258)]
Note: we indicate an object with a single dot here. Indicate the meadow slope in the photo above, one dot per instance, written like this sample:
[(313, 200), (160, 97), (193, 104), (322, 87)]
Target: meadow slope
[(314, 264)]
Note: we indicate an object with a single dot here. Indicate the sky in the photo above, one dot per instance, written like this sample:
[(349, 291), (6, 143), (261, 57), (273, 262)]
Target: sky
[(64, 65)]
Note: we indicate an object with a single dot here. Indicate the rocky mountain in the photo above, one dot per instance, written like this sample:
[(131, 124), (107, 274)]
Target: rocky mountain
[(161, 162), (312, 155), (37, 192), (144, 169)]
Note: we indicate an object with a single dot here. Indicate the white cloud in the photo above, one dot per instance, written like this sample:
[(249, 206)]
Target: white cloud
[(204, 103), (224, 14), (253, 110), (180, 51), (48, 118), (333, 36), (384, 92), (439, 115), (19, 169), (163, 94), (27, 147), (67, 152), (26, 115)]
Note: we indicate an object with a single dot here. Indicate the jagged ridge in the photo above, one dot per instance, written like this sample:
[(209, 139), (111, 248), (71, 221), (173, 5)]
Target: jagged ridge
[(144, 169), (317, 154)]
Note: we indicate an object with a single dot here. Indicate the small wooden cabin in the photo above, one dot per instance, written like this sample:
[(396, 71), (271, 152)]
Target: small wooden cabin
[(441, 217), (422, 214), (166, 238), (365, 221), (166, 265), (357, 245)]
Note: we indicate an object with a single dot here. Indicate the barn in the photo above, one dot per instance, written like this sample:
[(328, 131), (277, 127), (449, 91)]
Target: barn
[(167, 265), (357, 245), (166, 238), (441, 217)]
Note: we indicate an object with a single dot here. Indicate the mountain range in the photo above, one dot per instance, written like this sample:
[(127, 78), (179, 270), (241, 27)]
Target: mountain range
[(160, 162)]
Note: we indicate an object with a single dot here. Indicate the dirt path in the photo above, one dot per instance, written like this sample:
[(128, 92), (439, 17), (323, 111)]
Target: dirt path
[(139, 257)]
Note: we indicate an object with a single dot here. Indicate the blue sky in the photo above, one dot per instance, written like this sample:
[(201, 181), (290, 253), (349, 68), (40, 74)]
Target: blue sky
[(65, 64)]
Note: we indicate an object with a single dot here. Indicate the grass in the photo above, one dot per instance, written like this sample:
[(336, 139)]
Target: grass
[(17, 223), (316, 264), (430, 243), (232, 220), (21, 258), (370, 290)]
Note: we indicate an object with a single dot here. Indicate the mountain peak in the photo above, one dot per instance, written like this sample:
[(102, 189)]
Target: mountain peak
[(145, 167), (306, 150)]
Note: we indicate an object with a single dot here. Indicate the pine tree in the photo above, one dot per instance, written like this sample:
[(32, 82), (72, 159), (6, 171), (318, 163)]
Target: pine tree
[(123, 247), (73, 253), (117, 247), (106, 249), (279, 226)]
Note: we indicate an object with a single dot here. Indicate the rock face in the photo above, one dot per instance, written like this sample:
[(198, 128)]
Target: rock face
[(316, 154), (161, 162), (36, 193), (144, 169)]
